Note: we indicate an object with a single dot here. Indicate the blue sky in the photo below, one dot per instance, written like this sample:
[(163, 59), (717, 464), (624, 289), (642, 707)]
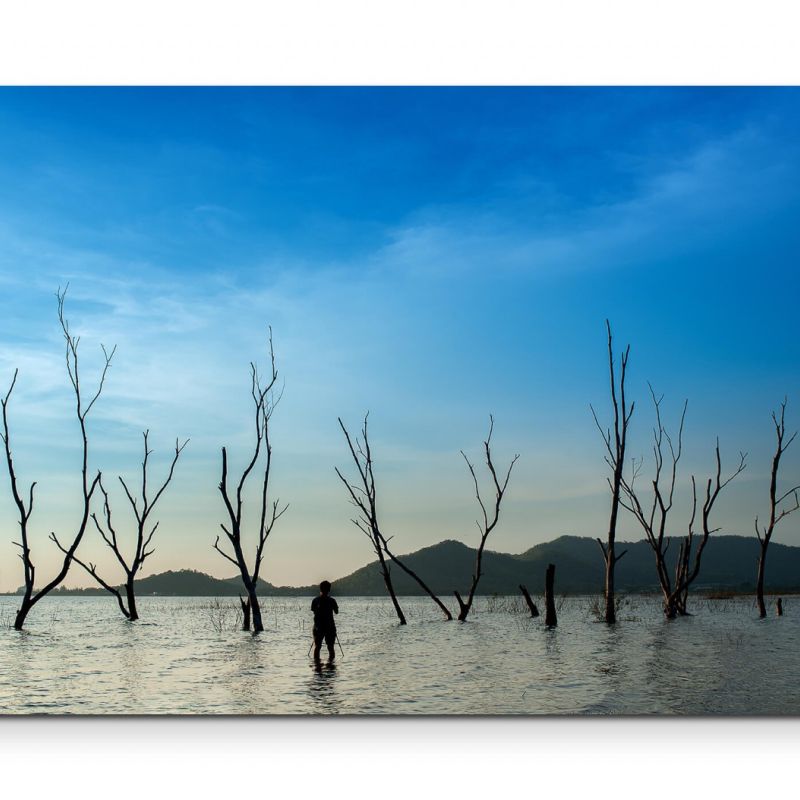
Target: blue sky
[(432, 255)]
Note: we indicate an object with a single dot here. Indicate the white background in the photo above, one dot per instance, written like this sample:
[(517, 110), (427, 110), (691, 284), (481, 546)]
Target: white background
[(380, 42), (399, 42)]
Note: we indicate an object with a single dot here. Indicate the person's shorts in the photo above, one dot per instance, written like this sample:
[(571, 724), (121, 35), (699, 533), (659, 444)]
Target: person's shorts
[(328, 634)]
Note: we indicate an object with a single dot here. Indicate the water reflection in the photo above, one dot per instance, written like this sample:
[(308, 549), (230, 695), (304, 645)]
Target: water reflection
[(131, 661), (248, 670), (551, 645), (80, 657), (322, 688), (609, 664)]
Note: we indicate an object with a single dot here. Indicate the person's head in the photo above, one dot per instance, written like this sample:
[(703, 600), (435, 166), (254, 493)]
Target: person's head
[(325, 587)]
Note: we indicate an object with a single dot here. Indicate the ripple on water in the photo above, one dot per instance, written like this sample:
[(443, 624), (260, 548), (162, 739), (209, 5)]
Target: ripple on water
[(186, 656)]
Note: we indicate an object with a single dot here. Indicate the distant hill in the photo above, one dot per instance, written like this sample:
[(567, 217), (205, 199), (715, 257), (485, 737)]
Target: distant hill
[(444, 567), (729, 562), (191, 583)]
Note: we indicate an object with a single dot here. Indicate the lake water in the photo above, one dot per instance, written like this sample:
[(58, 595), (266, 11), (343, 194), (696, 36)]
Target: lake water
[(186, 656)]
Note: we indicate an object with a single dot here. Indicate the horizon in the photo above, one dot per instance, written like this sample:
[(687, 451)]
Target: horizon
[(334, 579), (431, 255)]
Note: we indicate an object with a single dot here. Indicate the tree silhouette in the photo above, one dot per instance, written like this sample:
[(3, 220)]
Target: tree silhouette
[(615, 459), (31, 596), (776, 512), (144, 536), (685, 574), (653, 520), (264, 403), (363, 496), (359, 495), (488, 521)]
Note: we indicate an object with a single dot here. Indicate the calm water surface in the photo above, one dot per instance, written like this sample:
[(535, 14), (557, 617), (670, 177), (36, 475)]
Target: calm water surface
[(186, 656)]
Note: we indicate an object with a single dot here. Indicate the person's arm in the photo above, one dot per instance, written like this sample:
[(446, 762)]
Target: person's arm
[(335, 607)]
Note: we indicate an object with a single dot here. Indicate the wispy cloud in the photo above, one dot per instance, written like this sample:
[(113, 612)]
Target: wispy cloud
[(443, 313)]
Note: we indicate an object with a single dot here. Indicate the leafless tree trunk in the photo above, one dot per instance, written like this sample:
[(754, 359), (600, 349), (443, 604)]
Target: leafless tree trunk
[(486, 525), (680, 599), (531, 605), (364, 497), (550, 618), (144, 536), (30, 595), (776, 512), (685, 575), (654, 520), (410, 572), (245, 613), (615, 458), (264, 402)]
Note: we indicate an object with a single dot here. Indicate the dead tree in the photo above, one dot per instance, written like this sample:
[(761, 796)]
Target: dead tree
[(487, 524), (529, 601), (550, 618), (410, 572), (777, 512), (31, 595), (245, 604), (684, 574), (653, 520), (615, 458), (363, 496), (143, 535), (264, 403)]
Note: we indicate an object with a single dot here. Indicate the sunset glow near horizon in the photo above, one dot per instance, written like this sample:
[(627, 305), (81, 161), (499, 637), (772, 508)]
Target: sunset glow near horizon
[(432, 256)]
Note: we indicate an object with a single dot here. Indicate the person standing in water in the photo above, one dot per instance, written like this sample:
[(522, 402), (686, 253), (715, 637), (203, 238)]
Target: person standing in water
[(324, 607)]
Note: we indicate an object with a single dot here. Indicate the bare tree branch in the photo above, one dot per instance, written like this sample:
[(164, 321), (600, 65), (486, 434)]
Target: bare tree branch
[(776, 513), (364, 497), (615, 446), (264, 403), (488, 523), (132, 567), (30, 596), (653, 520)]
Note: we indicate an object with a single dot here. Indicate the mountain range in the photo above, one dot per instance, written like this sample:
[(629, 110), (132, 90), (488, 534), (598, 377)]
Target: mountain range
[(729, 562)]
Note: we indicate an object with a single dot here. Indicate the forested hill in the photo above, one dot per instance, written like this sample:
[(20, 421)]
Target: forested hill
[(729, 562), (191, 583)]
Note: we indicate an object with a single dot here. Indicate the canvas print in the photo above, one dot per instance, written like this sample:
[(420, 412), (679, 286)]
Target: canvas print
[(412, 400)]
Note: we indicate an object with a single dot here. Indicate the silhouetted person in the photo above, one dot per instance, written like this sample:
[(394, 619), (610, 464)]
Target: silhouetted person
[(324, 607)]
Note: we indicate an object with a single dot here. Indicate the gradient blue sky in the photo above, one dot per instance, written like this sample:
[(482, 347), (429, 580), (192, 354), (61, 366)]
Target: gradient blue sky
[(432, 255)]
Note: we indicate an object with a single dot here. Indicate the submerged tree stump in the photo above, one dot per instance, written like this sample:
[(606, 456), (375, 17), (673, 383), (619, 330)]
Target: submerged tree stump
[(529, 601), (550, 619), (245, 614), (779, 606)]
